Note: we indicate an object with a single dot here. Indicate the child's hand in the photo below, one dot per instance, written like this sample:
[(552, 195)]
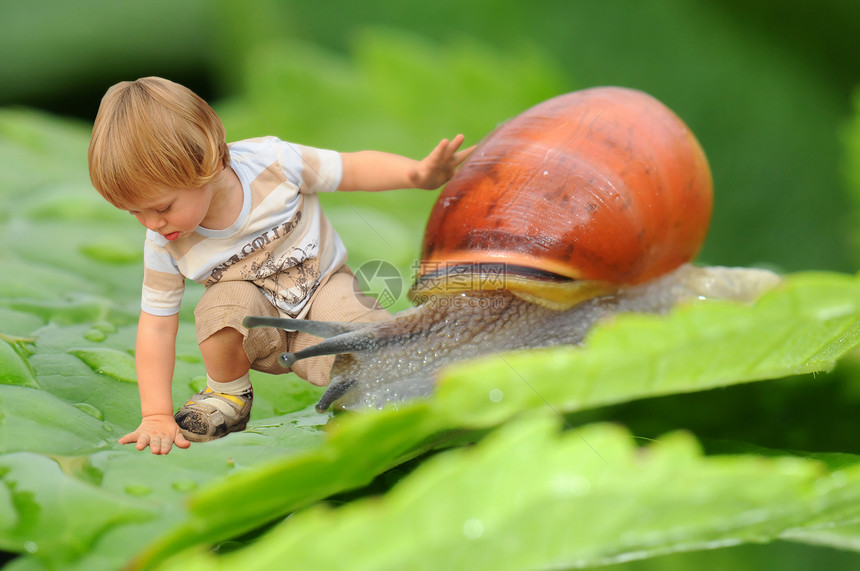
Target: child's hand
[(438, 167), (158, 431)]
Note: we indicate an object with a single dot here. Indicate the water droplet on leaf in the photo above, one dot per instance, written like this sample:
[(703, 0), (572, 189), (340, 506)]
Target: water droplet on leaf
[(95, 335), (184, 485), (90, 410), (111, 362)]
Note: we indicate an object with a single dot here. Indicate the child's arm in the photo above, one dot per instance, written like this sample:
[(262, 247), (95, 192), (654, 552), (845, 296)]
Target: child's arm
[(375, 170), (155, 356)]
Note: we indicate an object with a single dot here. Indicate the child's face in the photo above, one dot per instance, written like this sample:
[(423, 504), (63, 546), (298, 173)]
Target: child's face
[(174, 214)]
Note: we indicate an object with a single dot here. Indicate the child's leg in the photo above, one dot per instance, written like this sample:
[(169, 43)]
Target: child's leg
[(228, 350), (339, 299), (224, 355)]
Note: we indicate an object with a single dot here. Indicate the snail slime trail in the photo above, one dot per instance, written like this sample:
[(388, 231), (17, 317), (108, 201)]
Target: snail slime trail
[(587, 205)]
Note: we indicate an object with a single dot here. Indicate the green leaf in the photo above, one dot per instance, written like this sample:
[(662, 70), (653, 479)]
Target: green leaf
[(13, 369), (527, 498), (105, 361), (357, 450), (110, 251), (822, 310), (38, 149), (845, 537), (17, 324), (41, 507), (33, 420), (53, 284), (802, 326), (126, 477)]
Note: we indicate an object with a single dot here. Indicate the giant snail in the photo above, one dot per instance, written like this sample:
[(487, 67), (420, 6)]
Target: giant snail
[(586, 205)]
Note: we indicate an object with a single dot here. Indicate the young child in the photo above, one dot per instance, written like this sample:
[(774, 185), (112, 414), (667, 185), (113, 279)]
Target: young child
[(243, 220)]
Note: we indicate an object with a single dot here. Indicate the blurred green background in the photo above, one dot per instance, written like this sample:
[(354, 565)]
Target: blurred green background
[(765, 85), (768, 87)]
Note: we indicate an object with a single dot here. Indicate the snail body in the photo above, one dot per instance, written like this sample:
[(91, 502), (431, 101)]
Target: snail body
[(586, 205)]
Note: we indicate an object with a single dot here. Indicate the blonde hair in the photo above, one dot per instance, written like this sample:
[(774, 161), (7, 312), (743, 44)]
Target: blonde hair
[(154, 135)]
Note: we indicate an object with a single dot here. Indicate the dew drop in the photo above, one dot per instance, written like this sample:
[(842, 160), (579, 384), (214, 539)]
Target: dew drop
[(95, 335), (90, 410), (105, 361), (274, 425), (496, 395), (105, 327), (31, 547), (184, 485)]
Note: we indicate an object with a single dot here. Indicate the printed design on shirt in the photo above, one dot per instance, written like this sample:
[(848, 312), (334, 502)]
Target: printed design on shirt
[(264, 242), (289, 278)]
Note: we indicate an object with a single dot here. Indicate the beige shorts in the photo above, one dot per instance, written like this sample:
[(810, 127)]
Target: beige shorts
[(226, 304)]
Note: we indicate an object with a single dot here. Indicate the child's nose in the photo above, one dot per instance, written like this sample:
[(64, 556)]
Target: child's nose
[(154, 222)]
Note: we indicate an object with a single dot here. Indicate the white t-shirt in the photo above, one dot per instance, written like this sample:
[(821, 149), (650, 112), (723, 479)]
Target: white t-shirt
[(281, 240)]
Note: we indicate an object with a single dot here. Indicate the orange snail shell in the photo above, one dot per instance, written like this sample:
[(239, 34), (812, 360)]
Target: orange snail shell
[(602, 185)]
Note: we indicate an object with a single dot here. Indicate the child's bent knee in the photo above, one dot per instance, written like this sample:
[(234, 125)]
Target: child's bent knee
[(226, 304)]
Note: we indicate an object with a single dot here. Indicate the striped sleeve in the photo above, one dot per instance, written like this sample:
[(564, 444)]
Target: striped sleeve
[(321, 170), (163, 284), (308, 169)]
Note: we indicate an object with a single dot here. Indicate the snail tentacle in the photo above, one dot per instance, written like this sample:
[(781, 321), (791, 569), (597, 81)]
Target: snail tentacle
[(324, 329), (334, 392), (350, 342)]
